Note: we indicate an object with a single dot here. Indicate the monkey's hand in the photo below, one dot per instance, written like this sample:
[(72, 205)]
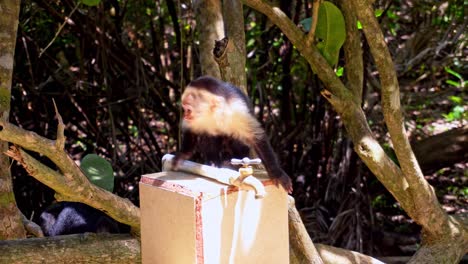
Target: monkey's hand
[(280, 177), (178, 157)]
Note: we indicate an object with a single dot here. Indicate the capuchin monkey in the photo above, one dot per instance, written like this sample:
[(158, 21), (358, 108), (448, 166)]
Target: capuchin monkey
[(219, 124)]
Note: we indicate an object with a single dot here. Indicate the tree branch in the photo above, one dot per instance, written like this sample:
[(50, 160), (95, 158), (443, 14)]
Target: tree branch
[(331, 254), (302, 247), (32, 227), (313, 24), (428, 211), (354, 68), (81, 248), (72, 183), (69, 188), (60, 141)]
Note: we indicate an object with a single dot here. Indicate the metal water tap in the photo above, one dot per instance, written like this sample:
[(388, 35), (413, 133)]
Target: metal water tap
[(246, 175)]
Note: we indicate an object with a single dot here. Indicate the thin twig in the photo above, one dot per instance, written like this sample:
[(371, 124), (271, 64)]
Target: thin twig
[(25, 45), (313, 26), (67, 20), (32, 227), (60, 141)]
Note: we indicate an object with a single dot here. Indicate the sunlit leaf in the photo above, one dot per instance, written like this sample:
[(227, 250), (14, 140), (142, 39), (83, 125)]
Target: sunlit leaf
[(339, 71), (453, 83), (378, 12), (458, 110), (251, 43), (359, 25), (99, 171), (452, 72), (330, 31), (456, 99), (455, 114)]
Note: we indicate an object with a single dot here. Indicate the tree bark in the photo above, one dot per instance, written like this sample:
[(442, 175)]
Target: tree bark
[(332, 255), (302, 249), (120, 248), (31, 227), (353, 52), (80, 248), (210, 28), (10, 217), (232, 60)]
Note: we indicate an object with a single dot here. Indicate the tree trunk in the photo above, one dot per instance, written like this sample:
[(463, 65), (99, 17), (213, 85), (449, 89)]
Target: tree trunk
[(10, 217), (210, 28), (80, 248), (232, 60)]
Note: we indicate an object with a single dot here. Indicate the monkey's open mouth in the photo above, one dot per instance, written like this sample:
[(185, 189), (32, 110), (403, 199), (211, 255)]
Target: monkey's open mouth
[(187, 112), (188, 115)]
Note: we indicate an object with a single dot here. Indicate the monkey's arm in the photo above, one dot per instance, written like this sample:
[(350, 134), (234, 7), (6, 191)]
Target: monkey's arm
[(189, 141), (267, 155)]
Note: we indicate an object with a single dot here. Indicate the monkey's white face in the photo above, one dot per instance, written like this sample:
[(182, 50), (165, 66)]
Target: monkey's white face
[(205, 112), (197, 104)]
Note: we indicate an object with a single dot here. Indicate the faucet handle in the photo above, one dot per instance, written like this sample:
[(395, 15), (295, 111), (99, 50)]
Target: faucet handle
[(246, 161)]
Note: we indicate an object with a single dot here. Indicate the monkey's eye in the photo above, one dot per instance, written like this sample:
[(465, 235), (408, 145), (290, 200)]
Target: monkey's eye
[(200, 96)]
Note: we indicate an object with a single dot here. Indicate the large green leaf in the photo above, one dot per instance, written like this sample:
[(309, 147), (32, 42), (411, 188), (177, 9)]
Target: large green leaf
[(330, 31), (99, 171)]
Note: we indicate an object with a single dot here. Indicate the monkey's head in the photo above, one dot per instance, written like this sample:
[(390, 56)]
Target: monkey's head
[(202, 109), (198, 104), (214, 107)]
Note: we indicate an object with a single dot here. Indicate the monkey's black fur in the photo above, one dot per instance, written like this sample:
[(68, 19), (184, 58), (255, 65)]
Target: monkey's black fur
[(66, 218), (213, 150)]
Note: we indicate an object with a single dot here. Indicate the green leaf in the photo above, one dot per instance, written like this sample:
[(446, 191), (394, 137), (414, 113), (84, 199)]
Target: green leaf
[(330, 31), (458, 110), (99, 171), (453, 83), (452, 72), (251, 43), (339, 71), (456, 99), (305, 23), (378, 12), (455, 114), (359, 25), (91, 2), (391, 153)]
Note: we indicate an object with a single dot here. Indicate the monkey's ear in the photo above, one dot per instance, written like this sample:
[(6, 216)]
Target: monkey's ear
[(214, 104)]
